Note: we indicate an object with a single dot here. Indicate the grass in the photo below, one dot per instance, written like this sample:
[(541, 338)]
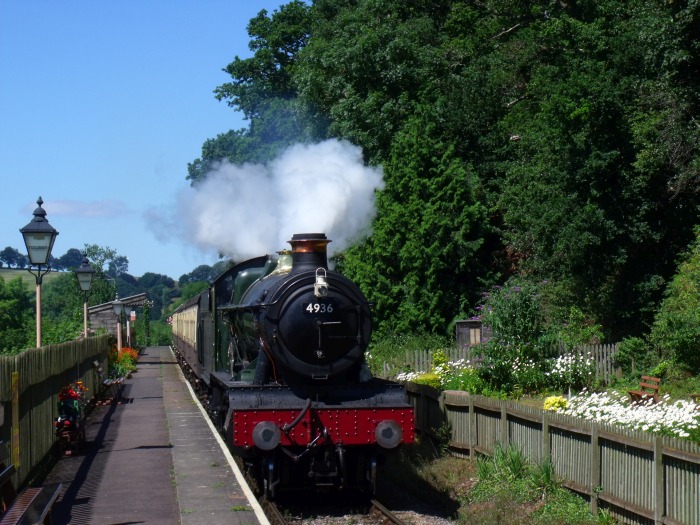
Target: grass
[(27, 278), (502, 489)]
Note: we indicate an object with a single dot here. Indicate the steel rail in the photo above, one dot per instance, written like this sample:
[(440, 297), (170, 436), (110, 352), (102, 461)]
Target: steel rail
[(390, 517)]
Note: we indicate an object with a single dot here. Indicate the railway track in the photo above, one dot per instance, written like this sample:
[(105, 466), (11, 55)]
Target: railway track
[(376, 514), (385, 515)]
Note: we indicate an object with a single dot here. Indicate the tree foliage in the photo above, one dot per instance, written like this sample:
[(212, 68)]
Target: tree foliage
[(276, 41), (70, 260), (15, 315), (11, 257), (422, 285), (263, 90), (676, 329), (520, 140)]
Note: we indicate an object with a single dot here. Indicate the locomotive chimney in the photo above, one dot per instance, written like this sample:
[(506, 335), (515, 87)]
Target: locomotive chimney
[(309, 251)]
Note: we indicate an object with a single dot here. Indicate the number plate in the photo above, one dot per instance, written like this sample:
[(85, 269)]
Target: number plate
[(320, 307)]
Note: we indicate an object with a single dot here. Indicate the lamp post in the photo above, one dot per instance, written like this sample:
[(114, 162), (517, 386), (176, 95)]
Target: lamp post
[(39, 237), (147, 321), (85, 272), (118, 309), (127, 316)]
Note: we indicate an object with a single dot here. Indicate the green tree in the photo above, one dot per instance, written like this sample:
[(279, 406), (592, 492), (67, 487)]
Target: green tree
[(104, 286), (276, 41), (366, 65), (16, 316), (61, 295), (540, 140), (427, 237), (118, 265), (11, 257), (262, 88), (70, 260), (160, 290), (203, 272), (574, 205), (676, 329)]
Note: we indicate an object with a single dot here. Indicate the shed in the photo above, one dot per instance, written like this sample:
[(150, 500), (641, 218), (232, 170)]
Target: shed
[(471, 332), (103, 316)]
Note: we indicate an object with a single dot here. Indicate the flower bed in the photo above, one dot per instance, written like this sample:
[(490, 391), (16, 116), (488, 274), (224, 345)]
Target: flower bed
[(677, 418), (669, 418), (121, 364)]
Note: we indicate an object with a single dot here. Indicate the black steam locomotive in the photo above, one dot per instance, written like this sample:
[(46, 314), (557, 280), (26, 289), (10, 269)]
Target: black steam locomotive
[(277, 345)]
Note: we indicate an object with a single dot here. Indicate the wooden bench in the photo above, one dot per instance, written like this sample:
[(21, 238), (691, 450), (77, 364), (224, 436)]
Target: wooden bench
[(648, 389), (32, 505), (110, 389)]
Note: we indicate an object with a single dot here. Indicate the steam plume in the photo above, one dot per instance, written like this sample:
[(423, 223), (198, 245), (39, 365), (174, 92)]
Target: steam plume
[(252, 209)]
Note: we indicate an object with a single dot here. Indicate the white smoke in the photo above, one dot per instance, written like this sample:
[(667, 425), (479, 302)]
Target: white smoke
[(243, 211)]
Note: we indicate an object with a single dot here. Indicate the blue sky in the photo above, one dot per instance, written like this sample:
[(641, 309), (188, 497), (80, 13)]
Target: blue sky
[(102, 105)]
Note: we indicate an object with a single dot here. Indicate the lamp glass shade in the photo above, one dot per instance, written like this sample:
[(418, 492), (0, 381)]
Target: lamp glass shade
[(118, 306), (39, 245), (39, 237), (85, 273)]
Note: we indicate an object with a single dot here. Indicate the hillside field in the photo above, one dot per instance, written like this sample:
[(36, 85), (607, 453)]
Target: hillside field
[(12, 273)]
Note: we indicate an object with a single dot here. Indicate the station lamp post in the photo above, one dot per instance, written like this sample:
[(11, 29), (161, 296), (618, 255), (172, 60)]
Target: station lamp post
[(119, 310), (39, 237), (85, 272), (127, 316)]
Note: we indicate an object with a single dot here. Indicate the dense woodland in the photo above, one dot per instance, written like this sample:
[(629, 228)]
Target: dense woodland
[(544, 146), (547, 144)]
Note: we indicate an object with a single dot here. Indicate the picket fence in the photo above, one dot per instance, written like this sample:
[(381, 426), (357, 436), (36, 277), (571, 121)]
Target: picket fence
[(637, 477), (29, 385), (422, 361)]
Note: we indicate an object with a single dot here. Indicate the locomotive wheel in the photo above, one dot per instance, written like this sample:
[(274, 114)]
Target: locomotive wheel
[(215, 401), (269, 476), (80, 439), (61, 446)]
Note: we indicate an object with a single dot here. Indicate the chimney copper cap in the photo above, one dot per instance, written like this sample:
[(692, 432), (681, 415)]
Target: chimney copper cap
[(309, 242)]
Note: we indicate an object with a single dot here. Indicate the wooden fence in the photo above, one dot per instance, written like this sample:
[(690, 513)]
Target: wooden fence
[(637, 477), (603, 357), (29, 387)]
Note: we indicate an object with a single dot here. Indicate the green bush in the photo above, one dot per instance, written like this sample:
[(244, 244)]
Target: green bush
[(391, 350), (429, 379), (467, 380), (676, 329), (529, 329), (160, 333), (634, 356)]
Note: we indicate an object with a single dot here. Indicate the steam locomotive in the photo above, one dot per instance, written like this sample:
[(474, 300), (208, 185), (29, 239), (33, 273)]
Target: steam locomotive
[(277, 345)]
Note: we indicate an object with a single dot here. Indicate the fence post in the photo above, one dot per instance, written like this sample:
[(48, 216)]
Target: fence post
[(15, 420), (659, 506), (471, 429), (505, 438), (595, 468), (443, 418), (546, 449)]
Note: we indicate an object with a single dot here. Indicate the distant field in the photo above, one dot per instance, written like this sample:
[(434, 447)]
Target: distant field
[(28, 278)]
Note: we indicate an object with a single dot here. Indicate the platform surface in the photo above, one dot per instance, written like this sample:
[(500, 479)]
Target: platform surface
[(152, 457)]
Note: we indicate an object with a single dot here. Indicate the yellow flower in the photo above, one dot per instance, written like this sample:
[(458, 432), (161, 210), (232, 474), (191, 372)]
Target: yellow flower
[(555, 403)]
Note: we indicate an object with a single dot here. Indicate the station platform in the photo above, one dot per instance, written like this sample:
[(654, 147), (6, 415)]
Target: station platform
[(153, 457)]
